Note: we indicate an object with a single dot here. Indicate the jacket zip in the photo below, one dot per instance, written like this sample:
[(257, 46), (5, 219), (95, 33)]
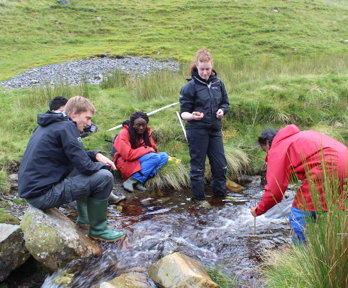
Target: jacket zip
[(211, 100)]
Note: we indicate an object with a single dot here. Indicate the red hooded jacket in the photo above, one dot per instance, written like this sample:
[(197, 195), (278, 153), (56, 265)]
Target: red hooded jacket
[(126, 158), (301, 153)]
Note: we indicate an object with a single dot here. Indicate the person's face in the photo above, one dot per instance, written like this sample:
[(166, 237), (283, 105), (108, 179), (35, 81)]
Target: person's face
[(140, 125), (82, 119), (265, 147), (204, 69)]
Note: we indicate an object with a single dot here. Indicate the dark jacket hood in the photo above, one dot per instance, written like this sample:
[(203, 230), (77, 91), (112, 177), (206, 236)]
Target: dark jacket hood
[(50, 117)]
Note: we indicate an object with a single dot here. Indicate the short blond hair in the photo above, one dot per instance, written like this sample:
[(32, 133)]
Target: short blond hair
[(78, 104)]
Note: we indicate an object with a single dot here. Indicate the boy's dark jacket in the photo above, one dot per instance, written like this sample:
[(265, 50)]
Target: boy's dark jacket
[(54, 149), (207, 96)]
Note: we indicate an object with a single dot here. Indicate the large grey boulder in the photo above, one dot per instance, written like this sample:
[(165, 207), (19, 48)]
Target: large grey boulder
[(12, 250), (53, 239), (180, 271)]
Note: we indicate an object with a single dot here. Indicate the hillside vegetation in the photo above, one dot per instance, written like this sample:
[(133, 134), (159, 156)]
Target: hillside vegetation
[(36, 33), (282, 62)]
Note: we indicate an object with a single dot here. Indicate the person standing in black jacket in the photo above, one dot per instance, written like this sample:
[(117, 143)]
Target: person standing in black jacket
[(203, 102), (56, 169)]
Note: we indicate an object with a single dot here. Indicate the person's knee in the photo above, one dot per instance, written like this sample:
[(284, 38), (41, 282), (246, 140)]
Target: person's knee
[(156, 159), (105, 176), (164, 157), (197, 173)]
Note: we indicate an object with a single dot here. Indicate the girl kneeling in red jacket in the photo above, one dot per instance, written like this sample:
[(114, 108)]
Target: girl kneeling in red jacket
[(137, 157)]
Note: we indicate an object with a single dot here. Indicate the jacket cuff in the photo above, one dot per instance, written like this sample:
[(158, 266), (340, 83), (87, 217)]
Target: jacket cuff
[(92, 154)]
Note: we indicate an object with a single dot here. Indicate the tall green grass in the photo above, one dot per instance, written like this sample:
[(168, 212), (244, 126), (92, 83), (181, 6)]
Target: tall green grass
[(323, 261)]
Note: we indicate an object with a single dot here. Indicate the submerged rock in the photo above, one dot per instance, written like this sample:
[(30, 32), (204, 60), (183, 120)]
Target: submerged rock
[(12, 250), (53, 239), (178, 270), (127, 280), (233, 186)]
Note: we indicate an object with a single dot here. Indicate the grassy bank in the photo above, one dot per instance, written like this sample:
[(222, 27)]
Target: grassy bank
[(265, 93)]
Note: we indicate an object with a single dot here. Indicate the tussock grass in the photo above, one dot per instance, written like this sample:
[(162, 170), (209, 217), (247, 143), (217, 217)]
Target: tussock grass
[(172, 175), (159, 85), (223, 280), (237, 161), (115, 79)]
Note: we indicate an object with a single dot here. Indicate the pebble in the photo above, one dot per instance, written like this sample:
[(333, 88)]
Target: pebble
[(92, 71)]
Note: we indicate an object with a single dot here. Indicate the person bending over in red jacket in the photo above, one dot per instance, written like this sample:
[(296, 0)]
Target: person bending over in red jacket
[(137, 157), (306, 154)]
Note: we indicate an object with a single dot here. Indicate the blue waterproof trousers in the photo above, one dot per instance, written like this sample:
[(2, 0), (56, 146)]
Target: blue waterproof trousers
[(298, 220), (150, 163)]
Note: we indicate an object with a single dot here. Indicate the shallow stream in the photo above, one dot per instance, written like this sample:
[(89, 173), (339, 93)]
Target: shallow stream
[(157, 223)]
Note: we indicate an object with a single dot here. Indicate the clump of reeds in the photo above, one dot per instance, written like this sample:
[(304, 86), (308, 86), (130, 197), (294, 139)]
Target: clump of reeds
[(173, 175), (117, 78)]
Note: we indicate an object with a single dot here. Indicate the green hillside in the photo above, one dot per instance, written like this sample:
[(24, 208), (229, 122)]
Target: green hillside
[(36, 33)]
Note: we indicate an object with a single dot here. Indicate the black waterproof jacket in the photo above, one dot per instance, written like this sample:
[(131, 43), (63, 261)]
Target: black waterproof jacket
[(54, 149), (207, 96)]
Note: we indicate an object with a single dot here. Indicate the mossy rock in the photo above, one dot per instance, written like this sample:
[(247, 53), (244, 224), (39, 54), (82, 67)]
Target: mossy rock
[(7, 218), (53, 239)]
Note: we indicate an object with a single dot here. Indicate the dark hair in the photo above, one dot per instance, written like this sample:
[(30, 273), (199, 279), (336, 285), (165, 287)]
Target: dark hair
[(134, 136), (57, 102), (267, 136)]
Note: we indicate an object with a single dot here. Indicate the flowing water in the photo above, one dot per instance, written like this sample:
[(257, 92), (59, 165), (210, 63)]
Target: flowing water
[(158, 223)]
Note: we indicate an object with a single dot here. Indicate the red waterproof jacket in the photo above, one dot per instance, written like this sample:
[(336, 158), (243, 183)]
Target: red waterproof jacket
[(126, 158), (301, 153)]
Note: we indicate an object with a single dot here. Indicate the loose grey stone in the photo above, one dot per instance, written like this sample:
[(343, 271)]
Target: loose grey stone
[(91, 71)]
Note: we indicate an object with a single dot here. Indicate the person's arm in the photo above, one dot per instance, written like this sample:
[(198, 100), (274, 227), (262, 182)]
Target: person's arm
[(277, 177), (103, 159), (224, 104), (187, 109), (153, 144), (123, 146), (75, 152), (195, 115)]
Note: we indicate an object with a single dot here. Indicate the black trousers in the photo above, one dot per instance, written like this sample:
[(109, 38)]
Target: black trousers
[(203, 142)]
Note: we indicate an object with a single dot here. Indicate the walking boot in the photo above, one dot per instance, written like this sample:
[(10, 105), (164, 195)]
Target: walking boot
[(82, 213), (98, 229), (114, 199), (140, 186), (128, 185)]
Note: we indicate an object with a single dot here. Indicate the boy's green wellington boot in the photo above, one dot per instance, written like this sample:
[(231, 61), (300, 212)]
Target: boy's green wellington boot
[(98, 229), (82, 214), (128, 185)]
